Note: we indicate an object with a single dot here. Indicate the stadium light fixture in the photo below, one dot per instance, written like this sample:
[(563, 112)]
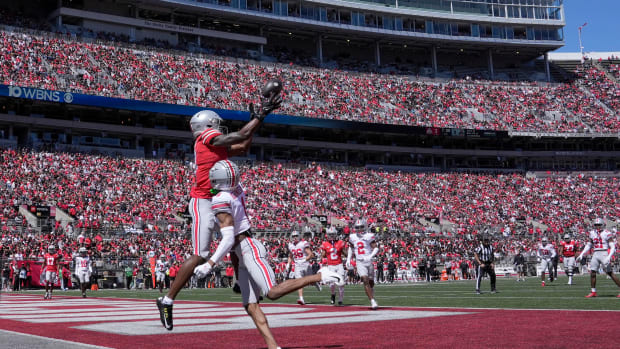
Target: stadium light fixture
[(580, 42)]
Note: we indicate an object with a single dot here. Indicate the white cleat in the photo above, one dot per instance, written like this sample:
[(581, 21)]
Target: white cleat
[(373, 304), (328, 276), (318, 286)]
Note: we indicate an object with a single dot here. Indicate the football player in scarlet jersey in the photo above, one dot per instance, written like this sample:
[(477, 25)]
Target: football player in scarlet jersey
[(210, 146), (332, 250), (50, 266), (567, 251), (603, 242), (364, 246)]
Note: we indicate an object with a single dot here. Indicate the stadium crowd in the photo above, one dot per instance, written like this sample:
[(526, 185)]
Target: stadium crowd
[(123, 194), (63, 63)]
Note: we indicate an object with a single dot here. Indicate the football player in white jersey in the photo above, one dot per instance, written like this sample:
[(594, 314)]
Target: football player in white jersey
[(161, 267), (255, 274), (363, 244), (546, 253), (83, 269), (603, 242), (300, 253)]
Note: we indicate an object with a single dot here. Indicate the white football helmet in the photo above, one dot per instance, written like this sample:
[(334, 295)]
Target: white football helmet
[(203, 120), (224, 175), (544, 240), (331, 233), (566, 237), (599, 221), (360, 226), (82, 251)]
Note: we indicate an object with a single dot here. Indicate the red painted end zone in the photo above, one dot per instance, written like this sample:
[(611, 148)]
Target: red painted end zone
[(416, 328)]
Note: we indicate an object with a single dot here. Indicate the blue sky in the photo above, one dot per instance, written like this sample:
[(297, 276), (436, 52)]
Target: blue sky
[(602, 34)]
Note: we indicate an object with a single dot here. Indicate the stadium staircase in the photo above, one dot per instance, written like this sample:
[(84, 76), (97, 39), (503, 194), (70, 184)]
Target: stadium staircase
[(605, 69), (63, 217), (30, 218), (596, 100)]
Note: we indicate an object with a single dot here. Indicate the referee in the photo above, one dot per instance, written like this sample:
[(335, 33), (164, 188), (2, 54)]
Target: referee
[(484, 257)]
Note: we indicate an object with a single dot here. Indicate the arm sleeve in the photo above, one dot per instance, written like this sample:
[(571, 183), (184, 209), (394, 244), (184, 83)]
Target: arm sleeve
[(585, 250), (612, 249), (349, 253), (374, 252), (227, 242)]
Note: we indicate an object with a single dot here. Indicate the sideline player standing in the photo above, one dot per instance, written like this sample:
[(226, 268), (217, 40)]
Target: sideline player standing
[(567, 251), (363, 244), (210, 146), (301, 254), (255, 275), (83, 269), (602, 240), (484, 255), (50, 266), (332, 249), (546, 253), (160, 272)]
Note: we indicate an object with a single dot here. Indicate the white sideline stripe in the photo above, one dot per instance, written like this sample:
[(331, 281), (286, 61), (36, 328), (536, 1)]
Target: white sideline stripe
[(152, 315), (275, 321), (55, 340), (103, 311)]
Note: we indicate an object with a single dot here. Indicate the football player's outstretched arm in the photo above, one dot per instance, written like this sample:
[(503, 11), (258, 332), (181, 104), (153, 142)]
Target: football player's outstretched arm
[(228, 237), (239, 141)]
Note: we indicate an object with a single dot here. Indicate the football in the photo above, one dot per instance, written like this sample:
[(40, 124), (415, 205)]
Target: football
[(272, 87)]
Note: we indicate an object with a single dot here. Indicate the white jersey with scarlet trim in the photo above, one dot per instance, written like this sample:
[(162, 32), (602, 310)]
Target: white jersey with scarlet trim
[(161, 267), (206, 155), (547, 251), (333, 251), (360, 244), (82, 264), (568, 248), (600, 241), (298, 250), (233, 203)]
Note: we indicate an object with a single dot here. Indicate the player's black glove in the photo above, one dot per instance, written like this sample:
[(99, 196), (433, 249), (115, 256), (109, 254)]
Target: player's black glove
[(267, 106)]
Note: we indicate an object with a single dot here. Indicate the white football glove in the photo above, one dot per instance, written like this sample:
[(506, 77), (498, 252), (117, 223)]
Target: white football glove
[(202, 270)]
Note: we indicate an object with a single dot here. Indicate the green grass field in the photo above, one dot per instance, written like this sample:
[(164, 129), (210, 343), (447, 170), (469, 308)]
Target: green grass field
[(459, 294)]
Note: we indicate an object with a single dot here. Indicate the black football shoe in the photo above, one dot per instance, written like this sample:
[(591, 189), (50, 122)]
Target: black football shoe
[(165, 313)]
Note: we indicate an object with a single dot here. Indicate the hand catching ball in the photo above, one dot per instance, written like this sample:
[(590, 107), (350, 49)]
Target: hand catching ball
[(272, 88)]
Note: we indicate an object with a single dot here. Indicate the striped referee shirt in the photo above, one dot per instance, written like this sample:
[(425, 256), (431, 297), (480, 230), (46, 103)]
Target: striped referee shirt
[(485, 253)]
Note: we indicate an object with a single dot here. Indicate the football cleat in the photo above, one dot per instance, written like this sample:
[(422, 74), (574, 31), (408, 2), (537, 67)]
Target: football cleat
[(328, 276), (373, 304), (165, 313), (301, 302), (333, 301), (494, 291), (591, 295), (318, 286), (478, 292), (340, 303), (543, 284)]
